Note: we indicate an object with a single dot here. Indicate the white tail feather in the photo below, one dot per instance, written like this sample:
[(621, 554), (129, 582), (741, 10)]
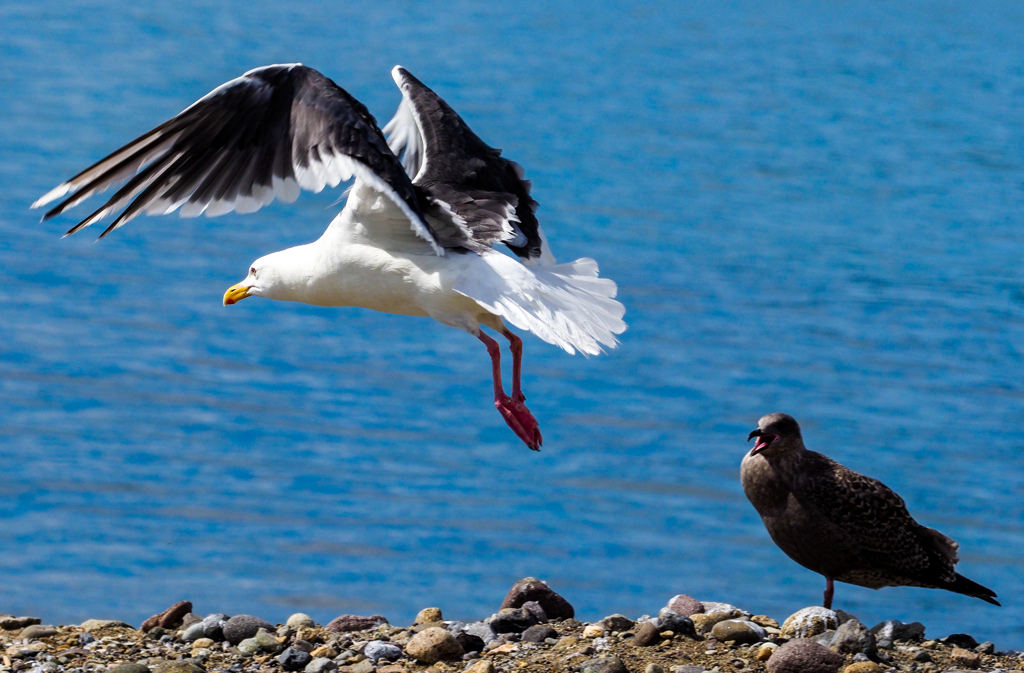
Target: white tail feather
[(567, 305)]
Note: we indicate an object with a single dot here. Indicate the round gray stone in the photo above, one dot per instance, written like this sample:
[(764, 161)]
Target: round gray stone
[(240, 627), (609, 664), (538, 633), (852, 637), (376, 650), (321, 665), (194, 632), (293, 659)]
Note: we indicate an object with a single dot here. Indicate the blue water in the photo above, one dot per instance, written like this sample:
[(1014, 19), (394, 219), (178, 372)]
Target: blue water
[(812, 208)]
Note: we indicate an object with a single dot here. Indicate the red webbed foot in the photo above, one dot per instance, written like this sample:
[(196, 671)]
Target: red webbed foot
[(520, 420)]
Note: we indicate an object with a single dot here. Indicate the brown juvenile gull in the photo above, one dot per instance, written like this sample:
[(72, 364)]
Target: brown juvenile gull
[(839, 523), (421, 233)]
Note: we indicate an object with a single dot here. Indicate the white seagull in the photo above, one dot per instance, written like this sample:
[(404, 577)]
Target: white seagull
[(417, 235)]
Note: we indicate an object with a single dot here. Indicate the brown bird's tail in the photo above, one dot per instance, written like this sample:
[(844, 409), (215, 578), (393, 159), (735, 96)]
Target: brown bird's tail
[(962, 585)]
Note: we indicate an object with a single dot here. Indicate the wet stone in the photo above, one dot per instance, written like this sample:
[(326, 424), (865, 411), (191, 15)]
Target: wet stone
[(532, 589), (538, 633), (241, 627), (293, 659)]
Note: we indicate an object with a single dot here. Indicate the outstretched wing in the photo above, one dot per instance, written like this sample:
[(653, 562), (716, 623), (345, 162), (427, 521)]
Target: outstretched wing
[(467, 183), (265, 135)]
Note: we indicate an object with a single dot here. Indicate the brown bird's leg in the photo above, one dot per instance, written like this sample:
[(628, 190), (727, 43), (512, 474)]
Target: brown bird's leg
[(829, 588), (515, 413)]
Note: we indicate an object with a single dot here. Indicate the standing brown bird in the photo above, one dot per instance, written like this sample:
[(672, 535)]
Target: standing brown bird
[(839, 523)]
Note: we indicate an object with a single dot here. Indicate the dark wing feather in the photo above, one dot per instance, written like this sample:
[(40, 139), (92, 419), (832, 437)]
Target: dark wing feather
[(261, 136), (882, 534), (466, 181)]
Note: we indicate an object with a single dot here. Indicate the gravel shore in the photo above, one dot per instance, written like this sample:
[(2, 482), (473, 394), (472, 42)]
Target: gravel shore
[(533, 630)]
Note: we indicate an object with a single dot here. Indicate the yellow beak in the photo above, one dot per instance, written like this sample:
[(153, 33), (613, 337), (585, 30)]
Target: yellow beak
[(236, 293)]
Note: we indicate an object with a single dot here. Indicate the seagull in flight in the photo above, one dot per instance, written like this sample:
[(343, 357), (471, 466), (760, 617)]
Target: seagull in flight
[(437, 223)]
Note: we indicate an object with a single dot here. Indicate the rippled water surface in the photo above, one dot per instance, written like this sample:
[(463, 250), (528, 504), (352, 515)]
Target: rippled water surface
[(807, 209)]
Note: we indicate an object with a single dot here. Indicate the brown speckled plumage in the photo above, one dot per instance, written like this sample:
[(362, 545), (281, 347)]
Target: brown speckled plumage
[(839, 523)]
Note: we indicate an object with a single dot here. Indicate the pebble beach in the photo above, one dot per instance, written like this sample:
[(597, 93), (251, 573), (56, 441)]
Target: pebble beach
[(533, 629)]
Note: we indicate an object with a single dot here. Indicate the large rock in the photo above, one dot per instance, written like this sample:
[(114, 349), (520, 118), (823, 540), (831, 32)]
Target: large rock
[(433, 645), (91, 625), (681, 604), (241, 627), (809, 622), (169, 619), (349, 623), (852, 637), (37, 631), (804, 656), (681, 625), (532, 589)]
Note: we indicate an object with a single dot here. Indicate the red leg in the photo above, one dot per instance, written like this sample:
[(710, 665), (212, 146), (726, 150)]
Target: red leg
[(515, 413), (829, 588), (515, 344)]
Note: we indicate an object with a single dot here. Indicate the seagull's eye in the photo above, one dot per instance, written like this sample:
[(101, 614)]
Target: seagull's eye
[(252, 271)]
